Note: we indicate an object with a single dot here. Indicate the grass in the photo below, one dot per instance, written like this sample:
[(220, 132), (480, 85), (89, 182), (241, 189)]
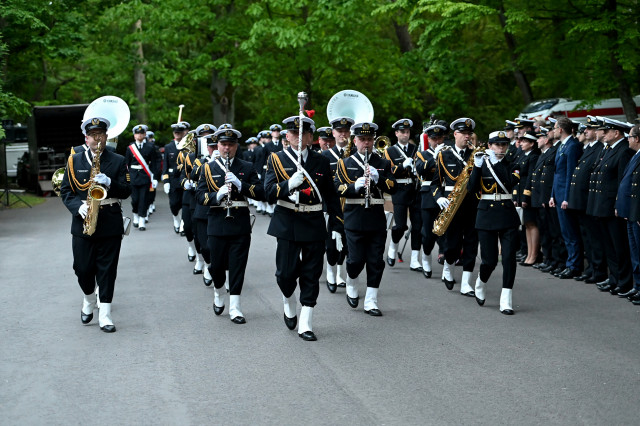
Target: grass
[(15, 203)]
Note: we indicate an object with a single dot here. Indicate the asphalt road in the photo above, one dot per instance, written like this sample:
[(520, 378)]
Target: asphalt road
[(570, 354)]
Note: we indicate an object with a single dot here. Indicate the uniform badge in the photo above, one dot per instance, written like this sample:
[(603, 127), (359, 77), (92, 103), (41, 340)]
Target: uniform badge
[(365, 127), (436, 130), (501, 135), (343, 121), (467, 122), (406, 123), (95, 121), (206, 128), (296, 121), (342, 188)]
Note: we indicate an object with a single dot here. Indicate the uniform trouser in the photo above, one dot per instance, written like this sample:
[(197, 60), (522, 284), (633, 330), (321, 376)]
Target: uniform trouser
[(201, 238), (366, 249), (593, 248), (545, 237), (333, 255), (616, 244), (571, 236), (400, 219), (428, 237), (291, 270), (151, 197), (489, 254), (559, 250), (233, 249), (633, 231), (187, 224), (462, 235), (95, 261), (175, 200), (139, 199)]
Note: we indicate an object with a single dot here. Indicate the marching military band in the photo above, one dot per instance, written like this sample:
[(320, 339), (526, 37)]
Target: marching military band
[(550, 194)]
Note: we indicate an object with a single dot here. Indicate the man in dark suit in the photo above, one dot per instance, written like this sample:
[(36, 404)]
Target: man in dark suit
[(461, 235), (634, 216), (225, 184), (171, 171), (140, 158), (578, 197), (362, 179), (95, 256), (496, 219), (299, 186), (407, 197), (606, 179), (567, 157)]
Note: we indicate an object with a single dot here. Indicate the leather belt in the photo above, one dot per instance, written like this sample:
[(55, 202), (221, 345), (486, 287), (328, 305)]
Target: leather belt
[(109, 201), (426, 182), (224, 205), (360, 202), (407, 180), (301, 208), (449, 188), (495, 197), (136, 166)]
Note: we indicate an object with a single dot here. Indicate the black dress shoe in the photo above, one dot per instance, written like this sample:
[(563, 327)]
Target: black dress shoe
[(108, 328), (539, 265), (617, 290), (390, 261), (238, 320), (418, 269), (480, 301), (135, 225), (470, 293), (86, 319), (191, 258), (634, 297), (427, 274), (290, 322), (606, 287), (582, 277), (603, 282), (218, 309), (197, 271), (373, 312), (332, 287), (526, 264), (353, 301), (182, 234), (569, 273), (177, 230), (308, 336), (548, 269), (206, 281), (636, 302), (448, 284), (507, 311), (342, 284), (628, 293), (441, 259)]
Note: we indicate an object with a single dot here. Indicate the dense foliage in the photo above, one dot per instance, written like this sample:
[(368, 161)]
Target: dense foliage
[(244, 61)]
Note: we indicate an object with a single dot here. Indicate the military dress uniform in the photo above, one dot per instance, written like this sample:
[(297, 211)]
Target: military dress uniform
[(157, 171), (95, 257), (171, 175), (365, 227), (301, 232), (274, 145), (142, 178), (229, 225), (461, 235), (634, 227)]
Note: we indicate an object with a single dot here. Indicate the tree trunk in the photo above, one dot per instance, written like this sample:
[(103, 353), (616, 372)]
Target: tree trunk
[(404, 38), (222, 98), (139, 78), (518, 74)]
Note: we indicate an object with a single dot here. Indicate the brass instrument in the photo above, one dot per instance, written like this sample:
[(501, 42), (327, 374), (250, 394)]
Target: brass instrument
[(347, 150), (456, 197), (95, 194), (381, 144), (352, 104), (228, 201), (180, 113), (56, 180), (187, 143)]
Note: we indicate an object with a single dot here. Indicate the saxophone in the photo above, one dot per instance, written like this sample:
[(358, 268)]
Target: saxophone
[(95, 194), (456, 196)]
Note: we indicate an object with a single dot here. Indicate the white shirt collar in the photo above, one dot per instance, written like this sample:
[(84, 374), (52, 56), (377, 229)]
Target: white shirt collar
[(617, 142), (566, 139)]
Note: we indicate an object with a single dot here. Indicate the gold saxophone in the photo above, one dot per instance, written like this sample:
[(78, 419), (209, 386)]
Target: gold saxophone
[(456, 196), (95, 194)]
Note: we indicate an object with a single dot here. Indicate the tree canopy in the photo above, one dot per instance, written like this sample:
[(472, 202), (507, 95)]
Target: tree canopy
[(244, 61)]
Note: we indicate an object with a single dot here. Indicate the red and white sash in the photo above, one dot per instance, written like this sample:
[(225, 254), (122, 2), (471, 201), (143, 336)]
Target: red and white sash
[(136, 154)]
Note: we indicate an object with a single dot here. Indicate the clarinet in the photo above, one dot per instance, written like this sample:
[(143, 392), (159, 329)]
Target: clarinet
[(367, 181), (228, 201)]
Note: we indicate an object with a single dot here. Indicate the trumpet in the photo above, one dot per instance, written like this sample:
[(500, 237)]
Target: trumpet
[(381, 143), (228, 201)]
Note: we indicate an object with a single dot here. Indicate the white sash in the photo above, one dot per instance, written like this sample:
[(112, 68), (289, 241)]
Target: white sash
[(134, 150), (286, 151)]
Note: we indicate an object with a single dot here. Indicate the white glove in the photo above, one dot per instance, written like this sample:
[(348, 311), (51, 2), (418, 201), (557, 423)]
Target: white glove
[(230, 177), (84, 208), (336, 236), (407, 163), (102, 179), (492, 156), (296, 180), (222, 192), (360, 183), (215, 154), (438, 148), (443, 202), (154, 183), (478, 159), (292, 197), (188, 184), (373, 172), (259, 176), (167, 186)]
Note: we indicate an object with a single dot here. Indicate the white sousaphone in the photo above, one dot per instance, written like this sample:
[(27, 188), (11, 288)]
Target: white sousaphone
[(352, 104)]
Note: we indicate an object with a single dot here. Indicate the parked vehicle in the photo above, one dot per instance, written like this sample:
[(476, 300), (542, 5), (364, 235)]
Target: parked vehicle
[(558, 107)]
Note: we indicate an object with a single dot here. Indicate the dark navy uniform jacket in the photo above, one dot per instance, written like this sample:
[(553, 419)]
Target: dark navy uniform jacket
[(634, 202), (170, 170), (426, 169), (75, 184), (623, 200), (406, 192), (211, 180), (525, 165), (139, 176), (606, 179), (541, 182), (302, 226), (579, 191)]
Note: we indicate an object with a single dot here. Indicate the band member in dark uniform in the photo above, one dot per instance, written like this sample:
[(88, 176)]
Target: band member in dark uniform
[(522, 194), (425, 168), (95, 257), (363, 178), (224, 185), (300, 227), (497, 219), (171, 172), (264, 137), (141, 162), (461, 233), (157, 172), (407, 197), (274, 145), (335, 258)]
